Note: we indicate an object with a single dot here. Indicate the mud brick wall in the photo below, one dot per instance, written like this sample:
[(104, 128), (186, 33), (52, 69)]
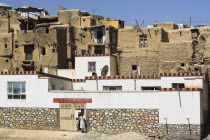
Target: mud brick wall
[(146, 60), (145, 121), (181, 131), (30, 118)]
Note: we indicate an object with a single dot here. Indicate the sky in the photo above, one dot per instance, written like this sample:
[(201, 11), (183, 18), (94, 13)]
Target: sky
[(146, 12)]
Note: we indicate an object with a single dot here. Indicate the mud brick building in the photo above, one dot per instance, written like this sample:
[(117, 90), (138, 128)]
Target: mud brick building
[(92, 59), (46, 41)]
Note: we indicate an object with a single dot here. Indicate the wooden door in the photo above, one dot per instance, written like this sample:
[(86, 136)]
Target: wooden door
[(67, 119)]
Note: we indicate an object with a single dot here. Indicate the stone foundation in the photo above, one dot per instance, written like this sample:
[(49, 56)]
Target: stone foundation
[(30, 118), (145, 121), (181, 131), (112, 121)]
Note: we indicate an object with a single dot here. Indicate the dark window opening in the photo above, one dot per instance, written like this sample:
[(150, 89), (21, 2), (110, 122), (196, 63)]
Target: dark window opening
[(98, 51), (43, 51), (83, 19), (182, 64), (53, 50), (28, 49), (134, 67), (5, 46), (47, 30), (85, 29), (83, 52), (151, 88), (16, 41), (99, 34), (16, 45), (7, 60), (196, 69), (107, 29), (178, 85), (83, 36)]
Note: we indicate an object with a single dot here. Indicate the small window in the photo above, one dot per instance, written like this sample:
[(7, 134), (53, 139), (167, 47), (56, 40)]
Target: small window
[(197, 69), (178, 85), (47, 30), (91, 66), (7, 60), (53, 50), (112, 88), (5, 46), (16, 90), (83, 52), (143, 41), (151, 88), (182, 64), (16, 45), (134, 67), (43, 51)]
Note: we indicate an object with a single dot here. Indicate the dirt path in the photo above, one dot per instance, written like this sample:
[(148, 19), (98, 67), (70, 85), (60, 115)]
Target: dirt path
[(20, 134)]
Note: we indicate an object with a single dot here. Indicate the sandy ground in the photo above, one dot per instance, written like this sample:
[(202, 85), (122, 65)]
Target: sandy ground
[(19, 134)]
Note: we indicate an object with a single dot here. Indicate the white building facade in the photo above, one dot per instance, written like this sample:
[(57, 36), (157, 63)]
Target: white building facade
[(171, 105)]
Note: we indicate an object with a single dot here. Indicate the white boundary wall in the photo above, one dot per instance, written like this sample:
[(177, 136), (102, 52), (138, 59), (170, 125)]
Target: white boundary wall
[(168, 102)]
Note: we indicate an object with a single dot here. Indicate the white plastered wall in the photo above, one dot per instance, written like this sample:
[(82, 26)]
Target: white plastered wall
[(81, 65), (68, 73), (177, 106)]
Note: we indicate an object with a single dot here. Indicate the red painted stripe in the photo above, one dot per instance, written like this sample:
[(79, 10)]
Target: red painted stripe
[(71, 100), (87, 55), (181, 89)]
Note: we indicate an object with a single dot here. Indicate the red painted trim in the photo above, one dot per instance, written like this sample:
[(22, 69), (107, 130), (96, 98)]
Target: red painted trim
[(71, 100), (144, 76), (32, 73), (88, 55), (78, 80), (181, 89)]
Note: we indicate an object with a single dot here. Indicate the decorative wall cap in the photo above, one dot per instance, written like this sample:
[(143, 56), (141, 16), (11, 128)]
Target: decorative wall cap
[(88, 55), (123, 77), (143, 76), (181, 89), (72, 100), (78, 80), (33, 73), (181, 74)]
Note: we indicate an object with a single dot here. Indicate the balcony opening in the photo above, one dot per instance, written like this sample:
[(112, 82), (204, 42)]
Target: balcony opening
[(28, 49)]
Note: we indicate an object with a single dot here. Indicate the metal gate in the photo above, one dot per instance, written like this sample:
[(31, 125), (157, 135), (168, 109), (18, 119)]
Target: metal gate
[(67, 118)]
